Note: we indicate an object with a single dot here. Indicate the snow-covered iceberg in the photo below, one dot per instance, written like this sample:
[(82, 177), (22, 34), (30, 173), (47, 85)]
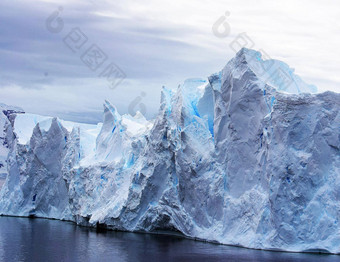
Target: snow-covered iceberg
[(246, 157)]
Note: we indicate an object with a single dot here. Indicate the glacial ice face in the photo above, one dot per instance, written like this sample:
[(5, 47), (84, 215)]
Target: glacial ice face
[(4, 123), (231, 159), (7, 137), (35, 185)]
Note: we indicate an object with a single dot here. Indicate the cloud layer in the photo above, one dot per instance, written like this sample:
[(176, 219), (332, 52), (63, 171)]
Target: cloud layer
[(155, 43)]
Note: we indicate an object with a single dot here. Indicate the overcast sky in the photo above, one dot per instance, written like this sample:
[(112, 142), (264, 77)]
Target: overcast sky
[(154, 43)]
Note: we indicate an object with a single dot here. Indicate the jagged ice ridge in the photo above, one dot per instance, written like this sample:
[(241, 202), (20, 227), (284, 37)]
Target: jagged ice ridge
[(247, 157)]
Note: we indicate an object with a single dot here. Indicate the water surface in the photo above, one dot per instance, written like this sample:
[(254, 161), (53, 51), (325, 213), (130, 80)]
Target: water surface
[(23, 239)]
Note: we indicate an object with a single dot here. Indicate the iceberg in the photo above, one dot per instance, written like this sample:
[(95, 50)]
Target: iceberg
[(7, 136), (247, 157)]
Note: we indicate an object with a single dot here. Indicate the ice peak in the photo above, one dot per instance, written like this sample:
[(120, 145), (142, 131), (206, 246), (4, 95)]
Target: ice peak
[(244, 52), (166, 95), (111, 113), (272, 72)]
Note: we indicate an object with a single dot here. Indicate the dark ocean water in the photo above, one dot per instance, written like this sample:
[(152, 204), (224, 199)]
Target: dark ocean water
[(23, 239)]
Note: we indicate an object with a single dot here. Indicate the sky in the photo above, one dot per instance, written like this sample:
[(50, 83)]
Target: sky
[(64, 58)]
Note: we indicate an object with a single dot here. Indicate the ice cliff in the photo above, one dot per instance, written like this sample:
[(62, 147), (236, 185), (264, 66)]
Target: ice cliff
[(7, 136), (247, 157)]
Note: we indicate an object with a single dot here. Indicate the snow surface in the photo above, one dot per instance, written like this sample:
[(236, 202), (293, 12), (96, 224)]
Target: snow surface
[(242, 158)]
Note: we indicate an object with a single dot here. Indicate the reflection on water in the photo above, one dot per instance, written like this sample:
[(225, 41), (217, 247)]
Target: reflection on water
[(23, 239)]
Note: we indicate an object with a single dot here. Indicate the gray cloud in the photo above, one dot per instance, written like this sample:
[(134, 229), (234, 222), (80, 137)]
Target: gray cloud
[(155, 44)]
